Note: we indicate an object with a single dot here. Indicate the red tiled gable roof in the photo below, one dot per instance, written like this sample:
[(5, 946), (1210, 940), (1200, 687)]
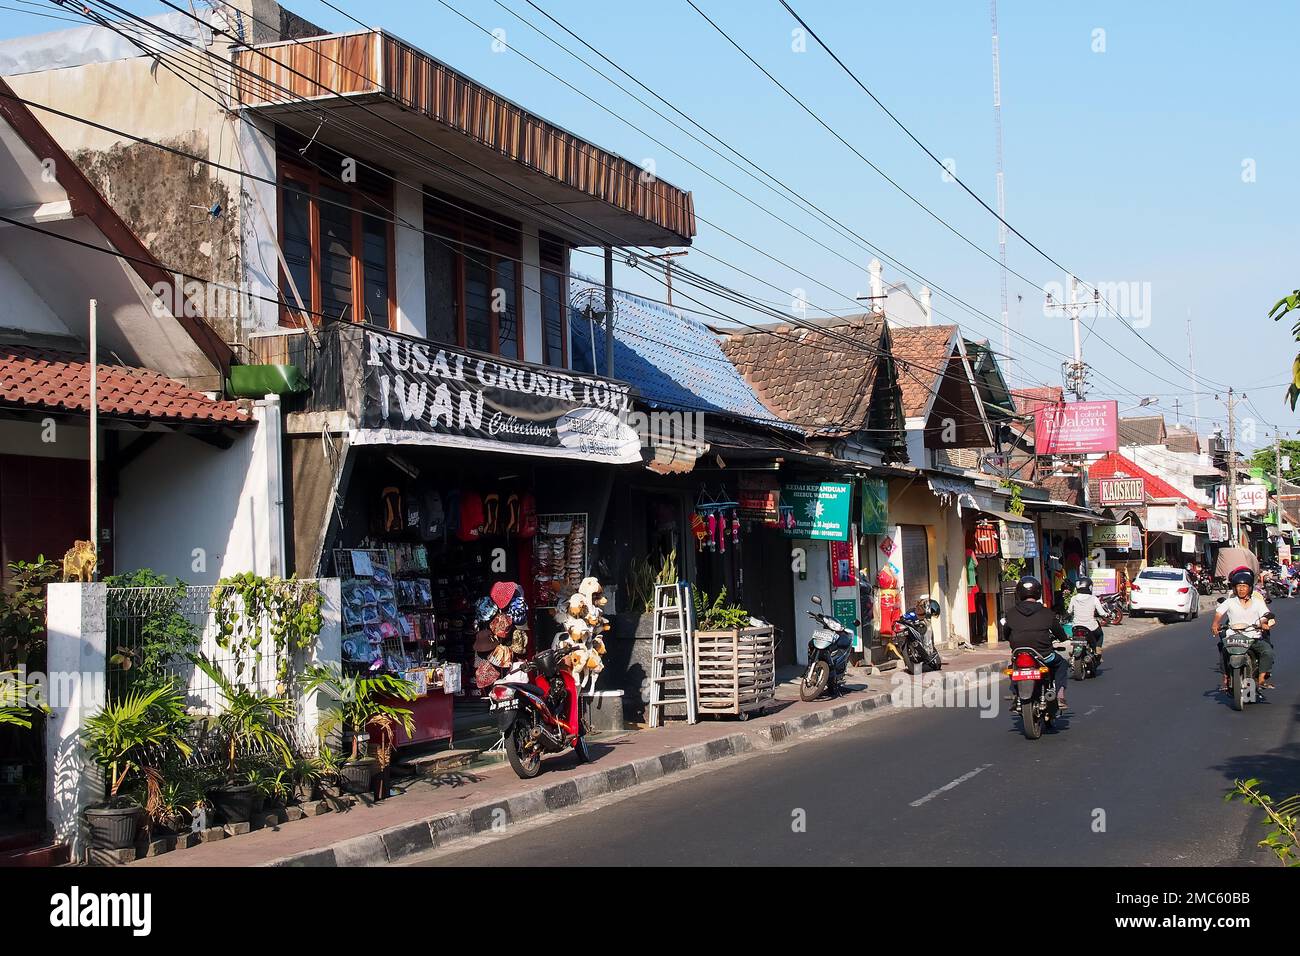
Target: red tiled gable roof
[(1064, 488), (1029, 400), (1156, 487), (54, 379), (808, 376), (921, 353)]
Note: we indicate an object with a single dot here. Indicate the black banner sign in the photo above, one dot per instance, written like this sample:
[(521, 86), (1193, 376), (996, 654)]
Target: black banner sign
[(419, 392)]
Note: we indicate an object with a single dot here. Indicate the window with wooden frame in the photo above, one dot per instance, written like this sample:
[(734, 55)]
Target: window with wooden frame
[(554, 254), (473, 289), (337, 239)]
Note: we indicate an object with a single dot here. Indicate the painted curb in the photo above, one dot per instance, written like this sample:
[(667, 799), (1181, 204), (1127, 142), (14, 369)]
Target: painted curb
[(394, 845)]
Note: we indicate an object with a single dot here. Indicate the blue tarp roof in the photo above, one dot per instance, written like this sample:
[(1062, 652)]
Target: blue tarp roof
[(674, 360)]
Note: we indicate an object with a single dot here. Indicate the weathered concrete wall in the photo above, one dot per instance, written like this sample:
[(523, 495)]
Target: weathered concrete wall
[(163, 196)]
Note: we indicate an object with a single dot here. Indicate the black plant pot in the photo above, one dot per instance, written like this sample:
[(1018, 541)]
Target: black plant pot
[(259, 803), (234, 804), (356, 775), (113, 829), (304, 792)]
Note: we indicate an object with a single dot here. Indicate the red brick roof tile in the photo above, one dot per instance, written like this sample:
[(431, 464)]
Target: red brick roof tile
[(59, 380), (1156, 487), (922, 354)]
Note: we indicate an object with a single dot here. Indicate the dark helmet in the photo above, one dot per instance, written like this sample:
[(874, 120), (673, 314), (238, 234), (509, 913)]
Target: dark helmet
[(1242, 575), (1084, 585), (1029, 588)]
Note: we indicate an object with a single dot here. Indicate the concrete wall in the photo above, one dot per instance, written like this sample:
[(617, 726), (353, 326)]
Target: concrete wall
[(200, 513), (912, 502), (134, 96), (22, 307), (818, 582), (409, 268)]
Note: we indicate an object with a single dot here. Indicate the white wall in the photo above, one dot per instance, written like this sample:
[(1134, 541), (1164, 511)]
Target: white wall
[(818, 582), (21, 307), (199, 513), (259, 226), (1174, 467), (408, 203)]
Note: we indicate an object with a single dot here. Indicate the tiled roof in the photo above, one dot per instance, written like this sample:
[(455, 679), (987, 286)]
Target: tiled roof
[(1064, 488), (1029, 400), (1147, 430), (922, 355), (59, 380), (1156, 487), (811, 376), (1182, 439), (673, 360)]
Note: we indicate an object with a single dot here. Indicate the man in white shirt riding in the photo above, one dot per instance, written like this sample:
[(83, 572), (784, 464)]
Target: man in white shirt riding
[(1246, 609)]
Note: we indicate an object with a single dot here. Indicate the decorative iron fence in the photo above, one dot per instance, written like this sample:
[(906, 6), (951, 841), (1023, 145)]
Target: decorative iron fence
[(152, 633)]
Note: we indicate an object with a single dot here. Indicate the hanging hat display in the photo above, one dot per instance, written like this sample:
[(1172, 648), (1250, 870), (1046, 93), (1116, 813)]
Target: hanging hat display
[(501, 625), (503, 592)]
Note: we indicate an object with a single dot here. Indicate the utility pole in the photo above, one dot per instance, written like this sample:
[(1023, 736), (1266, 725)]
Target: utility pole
[(668, 257), (1233, 528), (1076, 372), (94, 432), (1191, 367)]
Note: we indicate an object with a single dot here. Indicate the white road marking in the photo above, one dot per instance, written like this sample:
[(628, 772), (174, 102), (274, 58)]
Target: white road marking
[(948, 786), (1093, 711)]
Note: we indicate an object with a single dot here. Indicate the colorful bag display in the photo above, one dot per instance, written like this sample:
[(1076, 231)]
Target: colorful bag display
[(470, 526)]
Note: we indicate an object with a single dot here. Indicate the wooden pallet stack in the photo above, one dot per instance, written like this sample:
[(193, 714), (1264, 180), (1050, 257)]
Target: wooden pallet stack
[(735, 671)]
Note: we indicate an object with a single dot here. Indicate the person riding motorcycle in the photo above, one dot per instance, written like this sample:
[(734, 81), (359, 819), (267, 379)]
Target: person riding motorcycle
[(1030, 624), (1246, 608), (1085, 609)]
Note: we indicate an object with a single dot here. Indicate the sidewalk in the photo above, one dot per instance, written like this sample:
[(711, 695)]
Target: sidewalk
[(452, 805)]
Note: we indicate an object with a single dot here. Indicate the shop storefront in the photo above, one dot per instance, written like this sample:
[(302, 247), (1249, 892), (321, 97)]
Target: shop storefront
[(469, 498)]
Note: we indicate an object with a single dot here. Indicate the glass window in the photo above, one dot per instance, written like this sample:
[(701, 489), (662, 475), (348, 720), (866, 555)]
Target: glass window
[(297, 240), (478, 295), (441, 293), (337, 255), (506, 307), (374, 266), (553, 308)]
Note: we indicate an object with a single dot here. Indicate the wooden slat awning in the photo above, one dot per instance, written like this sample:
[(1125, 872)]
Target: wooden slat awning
[(347, 66)]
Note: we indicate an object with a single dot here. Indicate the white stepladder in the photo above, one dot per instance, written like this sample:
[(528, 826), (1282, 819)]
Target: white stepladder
[(672, 657)]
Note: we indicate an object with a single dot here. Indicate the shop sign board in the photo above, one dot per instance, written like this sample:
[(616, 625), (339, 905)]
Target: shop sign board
[(1251, 499), (820, 509), (1217, 529), (1013, 539), (1104, 580), (759, 497), (1119, 492), (1076, 428), (875, 506), (404, 390), (1119, 536), (1162, 518)]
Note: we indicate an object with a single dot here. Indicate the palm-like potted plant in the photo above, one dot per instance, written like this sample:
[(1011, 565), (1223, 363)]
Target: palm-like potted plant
[(134, 736), (246, 726), (362, 707)]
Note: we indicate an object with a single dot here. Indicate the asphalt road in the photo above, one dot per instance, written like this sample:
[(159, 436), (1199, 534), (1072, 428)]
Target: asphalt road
[(1134, 776)]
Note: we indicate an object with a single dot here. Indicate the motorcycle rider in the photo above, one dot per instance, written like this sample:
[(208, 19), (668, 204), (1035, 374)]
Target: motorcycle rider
[(1030, 624), (1246, 608), (1085, 609)]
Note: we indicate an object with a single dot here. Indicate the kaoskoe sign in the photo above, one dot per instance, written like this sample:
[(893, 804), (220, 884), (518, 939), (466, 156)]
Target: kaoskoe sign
[(418, 392), (1075, 428), (1114, 492)]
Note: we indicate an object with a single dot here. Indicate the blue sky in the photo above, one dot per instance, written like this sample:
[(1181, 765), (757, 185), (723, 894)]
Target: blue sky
[(1126, 165)]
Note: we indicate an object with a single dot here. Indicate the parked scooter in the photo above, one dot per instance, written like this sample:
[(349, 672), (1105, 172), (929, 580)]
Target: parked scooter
[(1035, 693), (1083, 657), (537, 707), (915, 638), (828, 655), (1112, 610)]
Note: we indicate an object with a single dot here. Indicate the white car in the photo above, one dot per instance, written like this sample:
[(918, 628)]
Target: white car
[(1164, 591)]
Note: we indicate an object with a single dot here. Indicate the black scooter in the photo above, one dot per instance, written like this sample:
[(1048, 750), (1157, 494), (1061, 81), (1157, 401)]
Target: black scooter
[(914, 637), (828, 655)]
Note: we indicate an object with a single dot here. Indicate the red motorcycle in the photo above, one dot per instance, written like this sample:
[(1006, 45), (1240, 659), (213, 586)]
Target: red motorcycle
[(537, 707)]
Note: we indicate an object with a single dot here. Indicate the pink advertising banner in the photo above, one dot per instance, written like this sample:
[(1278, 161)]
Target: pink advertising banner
[(1076, 428)]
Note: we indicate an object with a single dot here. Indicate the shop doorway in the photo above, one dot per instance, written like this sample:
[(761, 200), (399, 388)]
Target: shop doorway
[(768, 591), (916, 564)]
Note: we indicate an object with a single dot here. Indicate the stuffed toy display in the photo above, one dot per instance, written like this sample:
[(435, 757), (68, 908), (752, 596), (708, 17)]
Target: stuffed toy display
[(581, 641)]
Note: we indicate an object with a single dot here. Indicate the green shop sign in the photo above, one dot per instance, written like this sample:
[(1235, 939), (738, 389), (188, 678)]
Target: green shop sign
[(820, 509)]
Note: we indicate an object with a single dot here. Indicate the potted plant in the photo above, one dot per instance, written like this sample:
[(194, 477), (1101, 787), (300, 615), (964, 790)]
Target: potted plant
[(132, 736), (362, 708), (303, 776), (246, 726)]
